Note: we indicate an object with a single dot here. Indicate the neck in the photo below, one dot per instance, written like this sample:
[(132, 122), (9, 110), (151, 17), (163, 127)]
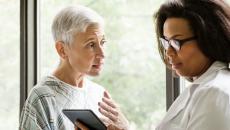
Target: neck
[(204, 69), (66, 74)]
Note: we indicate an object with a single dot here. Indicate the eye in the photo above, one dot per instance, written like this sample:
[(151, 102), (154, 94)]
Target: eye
[(103, 42), (176, 44), (165, 43), (91, 45)]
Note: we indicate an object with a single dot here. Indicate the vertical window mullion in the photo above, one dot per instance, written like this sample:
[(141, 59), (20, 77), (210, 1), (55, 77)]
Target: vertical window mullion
[(28, 48), (32, 43), (172, 87), (23, 52)]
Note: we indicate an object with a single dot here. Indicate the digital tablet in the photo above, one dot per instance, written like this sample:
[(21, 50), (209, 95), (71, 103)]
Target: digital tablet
[(85, 116)]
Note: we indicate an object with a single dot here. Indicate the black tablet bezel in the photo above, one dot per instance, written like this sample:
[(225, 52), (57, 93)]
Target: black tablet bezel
[(85, 116)]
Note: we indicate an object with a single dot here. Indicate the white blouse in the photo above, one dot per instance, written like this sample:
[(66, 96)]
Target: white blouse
[(204, 105)]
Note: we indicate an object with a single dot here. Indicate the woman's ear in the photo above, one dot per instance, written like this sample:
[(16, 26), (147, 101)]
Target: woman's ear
[(60, 48)]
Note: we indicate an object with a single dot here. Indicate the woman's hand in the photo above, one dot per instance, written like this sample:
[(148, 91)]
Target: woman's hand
[(80, 126), (110, 109)]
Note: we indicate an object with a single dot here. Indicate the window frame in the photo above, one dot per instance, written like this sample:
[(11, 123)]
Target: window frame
[(28, 48)]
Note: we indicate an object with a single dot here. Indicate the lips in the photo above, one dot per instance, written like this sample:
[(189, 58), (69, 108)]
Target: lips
[(98, 66), (176, 65)]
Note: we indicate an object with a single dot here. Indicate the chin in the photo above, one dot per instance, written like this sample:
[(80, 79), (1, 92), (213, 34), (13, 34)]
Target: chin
[(93, 73), (182, 74)]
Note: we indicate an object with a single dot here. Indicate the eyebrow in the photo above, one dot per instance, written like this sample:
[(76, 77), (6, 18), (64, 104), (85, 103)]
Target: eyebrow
[(93, 38), (172, 37)]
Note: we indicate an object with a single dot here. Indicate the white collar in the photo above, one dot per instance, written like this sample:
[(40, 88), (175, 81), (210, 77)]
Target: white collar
[(206, 76)]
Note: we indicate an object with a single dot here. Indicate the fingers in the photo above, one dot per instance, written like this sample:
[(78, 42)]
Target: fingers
[(109, 115), (109, 102), (108, 108), (107, 95), (106, 121), (79, 125)]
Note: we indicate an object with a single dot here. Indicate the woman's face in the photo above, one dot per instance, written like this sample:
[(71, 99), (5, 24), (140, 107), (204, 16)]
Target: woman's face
[(189, 61), (86, 53)]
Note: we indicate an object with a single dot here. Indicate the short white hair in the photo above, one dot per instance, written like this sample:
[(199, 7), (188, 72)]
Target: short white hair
[(72, 20)]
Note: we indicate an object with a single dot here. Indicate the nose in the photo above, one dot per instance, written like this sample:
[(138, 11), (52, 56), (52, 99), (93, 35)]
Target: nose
[(100, 52), (170, 52)]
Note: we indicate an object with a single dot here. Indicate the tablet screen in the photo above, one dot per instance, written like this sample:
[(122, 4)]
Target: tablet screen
[(86, 116)]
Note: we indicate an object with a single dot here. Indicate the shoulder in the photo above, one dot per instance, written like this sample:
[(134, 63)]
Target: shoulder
[(216, 94), (210, 103), (209, 109), (219, 85), (39, 102), (222, 80), (44, 90)]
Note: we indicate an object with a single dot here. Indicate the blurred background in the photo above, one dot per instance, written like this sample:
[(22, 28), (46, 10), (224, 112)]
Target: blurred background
[(133, 73)]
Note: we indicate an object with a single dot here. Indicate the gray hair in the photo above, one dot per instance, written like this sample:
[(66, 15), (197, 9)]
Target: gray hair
[(72, 20)]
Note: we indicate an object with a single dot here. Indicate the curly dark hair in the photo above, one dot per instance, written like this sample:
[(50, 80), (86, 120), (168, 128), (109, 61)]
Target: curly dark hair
[(209, 21)]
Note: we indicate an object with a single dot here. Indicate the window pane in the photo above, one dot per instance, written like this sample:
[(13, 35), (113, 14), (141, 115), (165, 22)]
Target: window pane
[(9, 67), (134, 73)]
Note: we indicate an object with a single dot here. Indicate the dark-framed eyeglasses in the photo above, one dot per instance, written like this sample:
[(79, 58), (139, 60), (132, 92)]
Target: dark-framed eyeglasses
[(175, 43)]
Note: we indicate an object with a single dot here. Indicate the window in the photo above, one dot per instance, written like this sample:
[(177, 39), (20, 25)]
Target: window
[(134, 73), (9, 67)]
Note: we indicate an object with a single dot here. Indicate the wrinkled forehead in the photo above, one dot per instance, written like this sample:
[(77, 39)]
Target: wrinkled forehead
[(91, 33), (95, 31)]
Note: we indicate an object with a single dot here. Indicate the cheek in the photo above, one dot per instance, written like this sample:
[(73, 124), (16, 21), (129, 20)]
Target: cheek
[(84, 59), (193, 60)]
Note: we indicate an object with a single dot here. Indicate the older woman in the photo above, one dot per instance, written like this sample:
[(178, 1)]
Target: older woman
[(79, 40), (194, 41)]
